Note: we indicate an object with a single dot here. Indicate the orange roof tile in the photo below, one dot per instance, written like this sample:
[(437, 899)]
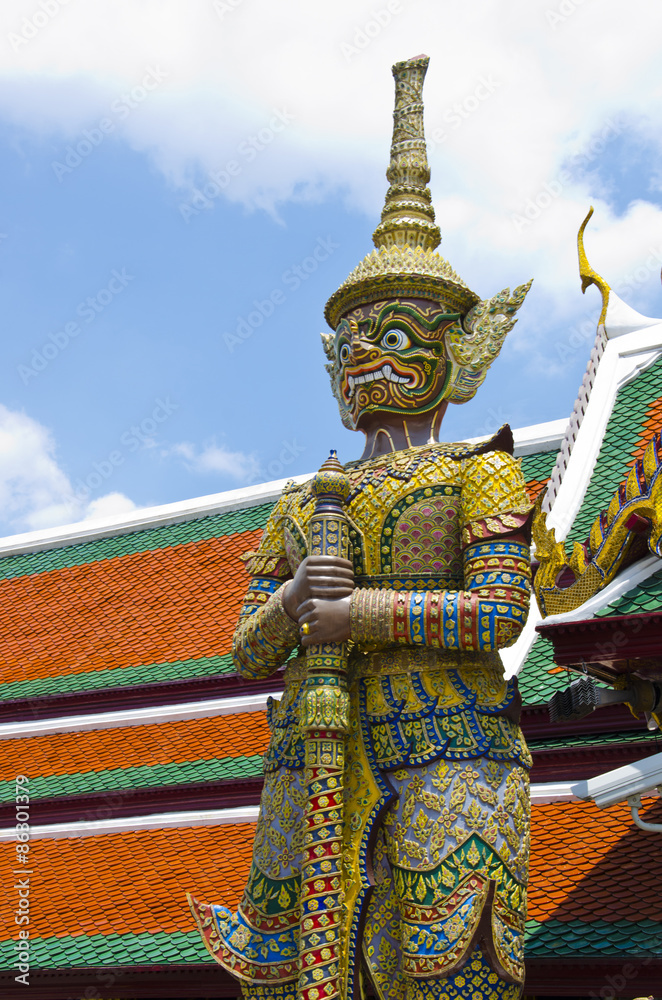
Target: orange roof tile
[(535, 486), (164, 743), (132, 882), (590, 864), (650, 426), (586, 865), (160, 605)]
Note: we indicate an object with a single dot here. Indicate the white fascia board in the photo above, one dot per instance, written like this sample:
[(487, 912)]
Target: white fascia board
[(539, 437), (132, 824), (541, 794), (152, 715), (624, 357), (545, 792), (146, 517), (515, 656)]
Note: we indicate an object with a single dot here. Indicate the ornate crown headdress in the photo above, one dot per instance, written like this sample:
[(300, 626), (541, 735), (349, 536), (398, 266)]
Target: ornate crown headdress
[(405, 263)]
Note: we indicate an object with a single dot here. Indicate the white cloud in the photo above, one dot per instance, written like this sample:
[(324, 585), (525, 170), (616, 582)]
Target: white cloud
[(107, 506), (511, 95), (34, 491), (215, 459), (514, 92), (552, 88)]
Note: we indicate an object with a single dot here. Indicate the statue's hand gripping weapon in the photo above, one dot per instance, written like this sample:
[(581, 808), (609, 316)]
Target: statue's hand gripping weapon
[(326, 723)]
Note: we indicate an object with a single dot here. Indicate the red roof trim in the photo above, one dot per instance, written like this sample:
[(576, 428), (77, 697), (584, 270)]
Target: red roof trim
[(577, 763), (611, 719), (135, 696), (609, 639), (561, 977), (112, 804), (570, 977)]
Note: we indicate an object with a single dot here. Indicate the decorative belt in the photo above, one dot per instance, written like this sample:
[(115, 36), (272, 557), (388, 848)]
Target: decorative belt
[(417, 659)]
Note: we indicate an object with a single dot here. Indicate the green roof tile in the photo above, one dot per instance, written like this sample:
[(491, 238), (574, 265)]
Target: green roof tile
[(562, 938), (536, 684), (622, 434), (539, 465), (641, 735), (646, 596), (112, 949), (149, 673), (198, 530), (144, 776), (552, 938)]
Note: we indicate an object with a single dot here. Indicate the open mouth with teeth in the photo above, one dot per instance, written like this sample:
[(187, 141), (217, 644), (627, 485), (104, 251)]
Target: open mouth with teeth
[(389, 357), (384, 372)]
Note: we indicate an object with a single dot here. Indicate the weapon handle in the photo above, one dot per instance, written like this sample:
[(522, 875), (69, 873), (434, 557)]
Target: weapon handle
[(325, 719)]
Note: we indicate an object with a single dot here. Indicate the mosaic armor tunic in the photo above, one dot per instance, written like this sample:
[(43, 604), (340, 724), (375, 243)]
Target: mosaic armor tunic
[(436, 786), (420, 789)]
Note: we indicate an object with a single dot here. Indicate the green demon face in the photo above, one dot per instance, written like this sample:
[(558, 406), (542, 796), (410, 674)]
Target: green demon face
[(389, 357)]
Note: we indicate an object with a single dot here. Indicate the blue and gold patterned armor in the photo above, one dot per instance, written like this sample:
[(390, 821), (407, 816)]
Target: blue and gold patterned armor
[(436, 787)]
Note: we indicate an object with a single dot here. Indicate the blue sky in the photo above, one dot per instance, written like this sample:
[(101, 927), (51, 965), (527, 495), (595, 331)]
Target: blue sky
[(173, 171)]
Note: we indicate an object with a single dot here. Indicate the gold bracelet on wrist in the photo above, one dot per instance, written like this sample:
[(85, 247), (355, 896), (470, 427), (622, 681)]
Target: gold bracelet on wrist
[(370, 617), (277, 626)]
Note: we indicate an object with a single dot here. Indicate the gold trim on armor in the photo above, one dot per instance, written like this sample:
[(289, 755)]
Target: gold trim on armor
[(415, 659)]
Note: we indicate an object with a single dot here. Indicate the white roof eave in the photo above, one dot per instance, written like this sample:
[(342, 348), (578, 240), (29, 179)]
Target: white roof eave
[(528, 440)]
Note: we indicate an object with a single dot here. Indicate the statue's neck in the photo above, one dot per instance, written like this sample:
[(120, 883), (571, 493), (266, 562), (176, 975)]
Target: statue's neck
[(387, 432)]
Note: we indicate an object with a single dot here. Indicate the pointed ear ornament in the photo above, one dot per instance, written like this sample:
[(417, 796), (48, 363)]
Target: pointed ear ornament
[(473, 343)]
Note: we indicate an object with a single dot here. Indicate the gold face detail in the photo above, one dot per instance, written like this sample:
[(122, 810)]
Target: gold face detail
[(389, 357)]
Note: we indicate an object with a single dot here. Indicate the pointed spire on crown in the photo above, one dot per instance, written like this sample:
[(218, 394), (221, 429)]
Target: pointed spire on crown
[(408, 215), (404, 263)]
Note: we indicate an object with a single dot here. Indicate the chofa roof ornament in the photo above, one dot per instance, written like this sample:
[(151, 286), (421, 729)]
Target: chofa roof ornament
[(588, 275), (405, 263)]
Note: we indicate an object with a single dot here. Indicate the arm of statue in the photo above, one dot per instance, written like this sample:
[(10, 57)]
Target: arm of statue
[(268, 629), (488, 614), (491, 611), (265, 635)]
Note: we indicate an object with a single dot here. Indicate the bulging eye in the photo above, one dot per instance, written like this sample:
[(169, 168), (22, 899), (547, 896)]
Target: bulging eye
[(343, 354), (396, 340)]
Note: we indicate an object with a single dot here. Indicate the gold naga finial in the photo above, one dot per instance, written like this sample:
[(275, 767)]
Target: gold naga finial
[(586, 272), (408, 215)]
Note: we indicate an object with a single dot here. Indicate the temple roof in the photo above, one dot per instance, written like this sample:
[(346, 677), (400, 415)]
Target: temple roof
[(620, 412), (119, 899)]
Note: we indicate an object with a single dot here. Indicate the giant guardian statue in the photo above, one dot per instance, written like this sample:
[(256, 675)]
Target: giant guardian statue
[(392, 844)]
